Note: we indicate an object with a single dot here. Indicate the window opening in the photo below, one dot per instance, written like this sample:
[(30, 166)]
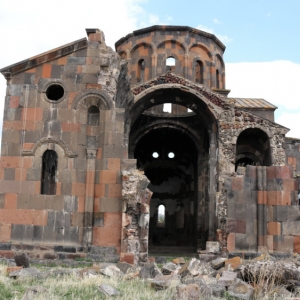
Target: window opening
[(141, 71), (217, 79), (171, 155), (199, 72), (167, 107), (155, 155), (161, 216), (170, 63), (93, 116), (49, 168), (55, 92)]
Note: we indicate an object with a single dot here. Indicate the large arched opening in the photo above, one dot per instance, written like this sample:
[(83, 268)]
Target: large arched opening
[(177, 150)]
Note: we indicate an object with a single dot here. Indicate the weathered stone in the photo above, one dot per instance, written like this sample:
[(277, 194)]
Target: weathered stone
[(169, 268), (22, 259), (33, 292), (241, 290), (112, 271), (108, 290), (149, 271), (178, 260), (212, 247), (125, 267), (187, 292), (217, 290), (227, 278), (218, 263), (160, 259), (233, 263), (27, 272), (165, 281), (190, 267)]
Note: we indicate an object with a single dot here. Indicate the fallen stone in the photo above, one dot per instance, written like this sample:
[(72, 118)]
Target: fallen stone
[(21, 259), (149, 271), (160, 259), (207, 257), (227, 278), (178, 260), (28, 272), (187, 292), (112, 271), (217, 290), (169, 268), (165, 281), (190, 267), (204, 291), (241, 290), (34, 291), (108, 290), (218, 263), (125, 267), (212, 247), (233, 263), (12, 269)]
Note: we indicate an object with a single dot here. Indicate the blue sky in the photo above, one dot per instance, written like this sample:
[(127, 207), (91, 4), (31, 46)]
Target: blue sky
[(261, 37)]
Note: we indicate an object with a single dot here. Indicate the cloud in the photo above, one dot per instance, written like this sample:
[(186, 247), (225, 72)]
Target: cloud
[(276, 82), (223, 38), (216, 21)]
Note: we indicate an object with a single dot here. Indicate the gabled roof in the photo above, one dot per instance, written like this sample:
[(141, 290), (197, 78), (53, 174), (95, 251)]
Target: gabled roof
[(44, 57), (253, 103)]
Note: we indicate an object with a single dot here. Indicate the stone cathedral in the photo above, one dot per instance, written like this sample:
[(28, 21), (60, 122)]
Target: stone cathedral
[(112, 154)]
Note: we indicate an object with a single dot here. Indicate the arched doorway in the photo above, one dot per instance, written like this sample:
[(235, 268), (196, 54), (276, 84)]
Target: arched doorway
[(178, 152)]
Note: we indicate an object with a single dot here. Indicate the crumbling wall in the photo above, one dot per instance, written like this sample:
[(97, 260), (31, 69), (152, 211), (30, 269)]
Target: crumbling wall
[(135, 216)]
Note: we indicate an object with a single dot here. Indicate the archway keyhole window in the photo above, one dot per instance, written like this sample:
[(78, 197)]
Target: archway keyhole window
[(93, 116), (167, 107), (49, 170), (170, 64), (141, 71), (217, 79), (171, 154), (161, 216), (155, 155), (199, 72)]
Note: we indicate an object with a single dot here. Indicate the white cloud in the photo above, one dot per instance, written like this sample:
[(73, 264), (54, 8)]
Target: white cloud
[(216, 21), (223, 38), (276, 82)]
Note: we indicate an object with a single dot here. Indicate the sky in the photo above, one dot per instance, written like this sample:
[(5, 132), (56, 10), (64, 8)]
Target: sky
[(261, 37)]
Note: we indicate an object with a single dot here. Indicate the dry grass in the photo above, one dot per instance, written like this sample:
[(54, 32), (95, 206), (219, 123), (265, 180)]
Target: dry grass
[(71, 287)]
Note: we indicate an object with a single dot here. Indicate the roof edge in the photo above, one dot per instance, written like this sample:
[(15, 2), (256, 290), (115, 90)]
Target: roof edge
[(171, 28), (44, 57)]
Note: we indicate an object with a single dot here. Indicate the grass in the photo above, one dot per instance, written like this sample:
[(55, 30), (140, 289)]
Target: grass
[(73, 287)]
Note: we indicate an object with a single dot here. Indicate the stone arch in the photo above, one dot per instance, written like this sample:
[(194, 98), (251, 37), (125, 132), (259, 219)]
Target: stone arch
[(182, 45), (87, 98), (135, 47), (197, 45), (44, 144)]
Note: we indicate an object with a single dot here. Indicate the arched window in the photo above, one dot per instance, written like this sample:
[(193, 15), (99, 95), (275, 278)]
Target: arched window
[(161, 216), (141, 71), (199, 72), (217, 79), (49, 168), (93, 116), (170, 64)]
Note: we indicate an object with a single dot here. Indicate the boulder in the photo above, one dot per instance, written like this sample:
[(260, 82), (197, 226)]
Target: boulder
[(108, 290), (112, 271), (227, 278), (241, 290), (149, 271), (21, 259), (233, 263), (217, 290), (218, 263), (165, 281), (169, 268), (190, 267)]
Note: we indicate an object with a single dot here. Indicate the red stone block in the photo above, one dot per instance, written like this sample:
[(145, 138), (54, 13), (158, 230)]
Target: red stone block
[(240, 226), (274, 228), (12, 269), (32, 114), (284, 172), (10, 162), (46, 71), (114, 190), (297, 244), (231, 242), (109, 237), (5, 232), (78, 189), (113, 220), (99, 190), (261, 197), (127, 257), (10, 201), (114, 164), (271, 172), (14, 101), (7, 253), (237, 183), (70, 127), (108, 176), (289, 184)]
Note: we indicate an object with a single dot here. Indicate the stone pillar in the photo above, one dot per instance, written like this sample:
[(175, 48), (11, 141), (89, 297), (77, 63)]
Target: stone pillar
[(186, 66), (154, 64), (89, 197), (135, 217)]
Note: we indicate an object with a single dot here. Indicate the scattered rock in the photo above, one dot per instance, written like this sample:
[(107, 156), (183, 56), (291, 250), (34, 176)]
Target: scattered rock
[(12, 269), (125, 267), (149, 271), (241, 290), (190, 267), (111, 271), (165, 281), (207, 257), (160, 259), (28, 272), (233, 263), (216, 289), (179, 260), (34, 291), (169, 268), (212, 247), (22, 259), (227, 278), (187, 292), (218, 263), (108, 290)]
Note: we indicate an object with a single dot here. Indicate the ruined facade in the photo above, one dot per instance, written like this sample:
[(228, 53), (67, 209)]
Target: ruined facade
[(93, 163)]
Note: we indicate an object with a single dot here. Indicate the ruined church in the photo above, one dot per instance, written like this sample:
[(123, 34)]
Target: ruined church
[(118, 153)]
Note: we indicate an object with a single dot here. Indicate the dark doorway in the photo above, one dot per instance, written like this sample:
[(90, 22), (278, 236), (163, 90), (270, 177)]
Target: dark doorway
[(169, 159)]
